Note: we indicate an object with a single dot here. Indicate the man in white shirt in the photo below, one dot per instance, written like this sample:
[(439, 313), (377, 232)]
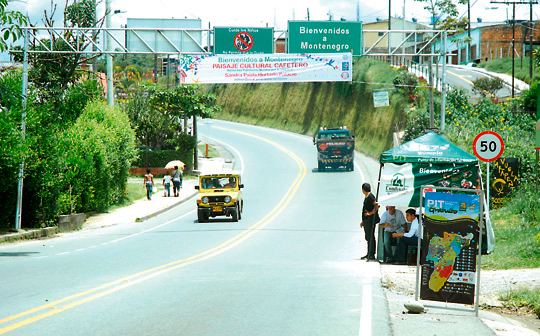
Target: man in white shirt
[(392, 221), (409, 238)]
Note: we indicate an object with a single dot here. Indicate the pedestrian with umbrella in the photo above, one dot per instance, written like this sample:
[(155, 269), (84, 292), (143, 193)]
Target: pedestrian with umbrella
[(177, 175)]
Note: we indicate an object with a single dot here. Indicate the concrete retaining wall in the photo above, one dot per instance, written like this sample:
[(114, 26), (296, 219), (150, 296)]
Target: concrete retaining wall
[(71, 222)]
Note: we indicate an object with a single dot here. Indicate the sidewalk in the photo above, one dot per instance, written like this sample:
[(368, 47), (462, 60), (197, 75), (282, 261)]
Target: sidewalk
[(138, 211)]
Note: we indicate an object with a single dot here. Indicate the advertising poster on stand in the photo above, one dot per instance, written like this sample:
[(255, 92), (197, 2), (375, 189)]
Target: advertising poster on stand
[(266, 68), (505, 180), (449, 245)]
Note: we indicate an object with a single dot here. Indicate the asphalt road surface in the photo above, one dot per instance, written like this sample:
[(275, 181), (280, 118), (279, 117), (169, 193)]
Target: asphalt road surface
[(463, 77), (289, 267)]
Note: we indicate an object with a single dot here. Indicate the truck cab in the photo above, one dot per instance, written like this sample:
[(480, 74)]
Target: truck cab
[(335, 148)]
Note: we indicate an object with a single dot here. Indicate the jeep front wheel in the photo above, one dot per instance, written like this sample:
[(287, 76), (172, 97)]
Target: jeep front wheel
[(234, 214), (202, 217)]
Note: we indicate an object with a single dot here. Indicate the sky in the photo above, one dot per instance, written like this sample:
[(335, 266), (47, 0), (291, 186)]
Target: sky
[(274, 13), (271, 13)]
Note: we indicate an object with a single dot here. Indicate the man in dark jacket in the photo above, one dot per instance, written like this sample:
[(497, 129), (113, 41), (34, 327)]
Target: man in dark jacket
[(368, 220)]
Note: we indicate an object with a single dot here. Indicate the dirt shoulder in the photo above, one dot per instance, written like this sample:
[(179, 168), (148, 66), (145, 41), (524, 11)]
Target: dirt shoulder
[(401, 279)]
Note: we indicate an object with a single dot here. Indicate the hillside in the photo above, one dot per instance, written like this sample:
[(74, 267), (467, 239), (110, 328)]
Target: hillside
[(304, 107)]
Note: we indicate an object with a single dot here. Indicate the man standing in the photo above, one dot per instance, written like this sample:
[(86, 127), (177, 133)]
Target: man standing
[(409, 238), (368, 220), (392, 221)]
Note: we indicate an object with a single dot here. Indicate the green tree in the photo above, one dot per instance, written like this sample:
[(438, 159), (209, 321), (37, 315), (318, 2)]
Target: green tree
[(50, 73), (10, 25), (444, 13)]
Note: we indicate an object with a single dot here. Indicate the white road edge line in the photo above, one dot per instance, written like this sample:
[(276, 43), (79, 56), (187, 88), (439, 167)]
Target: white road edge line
[(234, 149), (365, 317), (152, 229)]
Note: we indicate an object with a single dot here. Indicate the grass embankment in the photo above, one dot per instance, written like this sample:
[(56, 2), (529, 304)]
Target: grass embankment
[(304, 107), (504, 65)]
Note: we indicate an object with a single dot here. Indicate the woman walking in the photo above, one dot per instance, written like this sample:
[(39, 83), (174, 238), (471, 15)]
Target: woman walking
[(149, 183)]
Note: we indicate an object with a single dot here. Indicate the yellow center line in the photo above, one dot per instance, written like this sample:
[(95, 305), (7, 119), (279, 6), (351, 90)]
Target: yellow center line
[(126, 282)]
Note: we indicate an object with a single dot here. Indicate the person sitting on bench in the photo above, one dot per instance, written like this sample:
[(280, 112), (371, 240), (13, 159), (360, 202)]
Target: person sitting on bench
[(409, 238), (392, 221)]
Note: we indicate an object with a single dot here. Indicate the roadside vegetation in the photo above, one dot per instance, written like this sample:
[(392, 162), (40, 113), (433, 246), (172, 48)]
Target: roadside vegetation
[(521, 67), (77, 150), (522, 297), (305, 107)]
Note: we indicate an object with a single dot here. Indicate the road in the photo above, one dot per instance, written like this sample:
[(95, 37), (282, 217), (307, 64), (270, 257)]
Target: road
[(463, 77), (289, 267)]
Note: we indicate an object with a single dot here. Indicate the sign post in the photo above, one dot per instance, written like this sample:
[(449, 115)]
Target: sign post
[(488, 146)]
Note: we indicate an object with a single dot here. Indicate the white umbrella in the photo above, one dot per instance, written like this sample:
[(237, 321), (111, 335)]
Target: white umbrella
[(174, 163)]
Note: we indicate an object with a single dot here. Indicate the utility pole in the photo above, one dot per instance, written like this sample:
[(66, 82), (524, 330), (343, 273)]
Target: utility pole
[(513, 44), (468, 31), (513, 2), (18, 212), (389, 28), (531, 27)]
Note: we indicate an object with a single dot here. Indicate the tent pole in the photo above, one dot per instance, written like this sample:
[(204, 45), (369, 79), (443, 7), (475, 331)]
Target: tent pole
[(380, 251)]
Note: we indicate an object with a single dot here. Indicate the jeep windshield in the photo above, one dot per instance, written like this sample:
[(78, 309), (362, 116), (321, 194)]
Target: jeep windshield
[(219, 182)]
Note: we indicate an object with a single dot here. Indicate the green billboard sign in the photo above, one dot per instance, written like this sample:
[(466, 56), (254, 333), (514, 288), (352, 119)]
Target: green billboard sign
[(243, 40), (325, 37)]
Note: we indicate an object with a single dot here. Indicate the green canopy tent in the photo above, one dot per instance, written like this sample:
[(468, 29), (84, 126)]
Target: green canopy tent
[(426, 160)]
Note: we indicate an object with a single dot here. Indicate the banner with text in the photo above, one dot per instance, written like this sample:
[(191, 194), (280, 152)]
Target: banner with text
[(266, 68), (401, 184), (450, 247)]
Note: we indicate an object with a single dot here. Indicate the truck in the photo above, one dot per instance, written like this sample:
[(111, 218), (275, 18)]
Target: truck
[(335, 148)]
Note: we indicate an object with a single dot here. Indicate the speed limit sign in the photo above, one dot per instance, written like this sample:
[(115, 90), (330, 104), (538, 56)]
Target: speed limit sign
[(488, 146)]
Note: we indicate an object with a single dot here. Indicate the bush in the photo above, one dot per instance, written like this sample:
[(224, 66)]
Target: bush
[(487, 86), (529, 98), (407, 83), (99, 149)]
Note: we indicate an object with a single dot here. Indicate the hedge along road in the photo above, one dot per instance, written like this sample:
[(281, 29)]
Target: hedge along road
[(290, 266)]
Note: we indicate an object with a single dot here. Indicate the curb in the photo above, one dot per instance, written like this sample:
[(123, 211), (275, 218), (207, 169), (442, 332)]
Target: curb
[(32, 234), (143, 218)]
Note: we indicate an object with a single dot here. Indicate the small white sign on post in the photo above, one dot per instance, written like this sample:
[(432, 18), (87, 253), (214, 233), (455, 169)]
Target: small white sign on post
[(380, 99)]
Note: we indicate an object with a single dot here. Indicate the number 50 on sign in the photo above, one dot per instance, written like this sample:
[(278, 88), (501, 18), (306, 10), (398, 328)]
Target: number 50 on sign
[(488, 146)]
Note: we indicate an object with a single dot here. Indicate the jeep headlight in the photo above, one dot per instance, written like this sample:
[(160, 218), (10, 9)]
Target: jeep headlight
[(204, 200), (228, 199)]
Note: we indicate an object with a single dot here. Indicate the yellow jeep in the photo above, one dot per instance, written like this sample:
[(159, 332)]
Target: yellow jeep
[(219, 195)]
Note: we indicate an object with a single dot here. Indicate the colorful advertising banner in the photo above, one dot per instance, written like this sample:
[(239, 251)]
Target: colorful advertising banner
[(505, 179), (267, 68), (401, 184), (449, 246)]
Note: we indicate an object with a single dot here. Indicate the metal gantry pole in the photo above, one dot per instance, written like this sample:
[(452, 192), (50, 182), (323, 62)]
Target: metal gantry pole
[(443, 85), (18, 214), (108, 57)]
